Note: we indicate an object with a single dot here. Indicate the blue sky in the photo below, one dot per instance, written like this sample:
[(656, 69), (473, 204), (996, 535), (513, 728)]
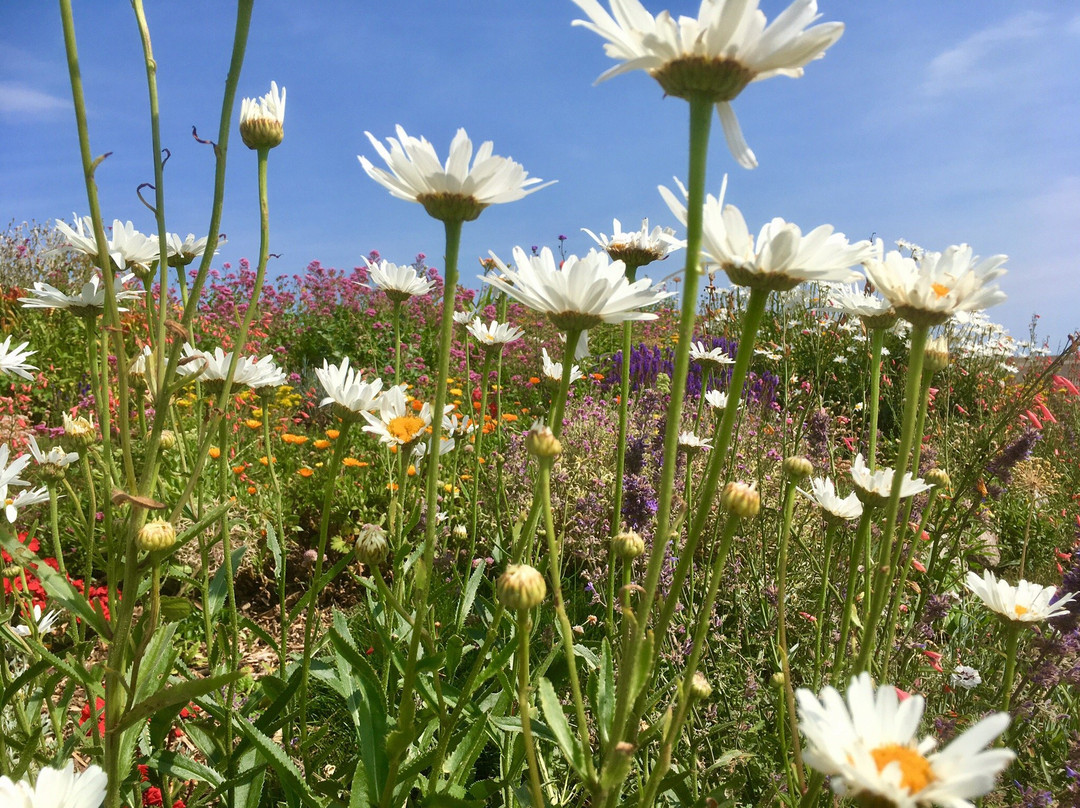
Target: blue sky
[(925, 122)]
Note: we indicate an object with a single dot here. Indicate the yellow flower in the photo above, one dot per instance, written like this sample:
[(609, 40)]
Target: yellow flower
[(321, 444), (252, 423)]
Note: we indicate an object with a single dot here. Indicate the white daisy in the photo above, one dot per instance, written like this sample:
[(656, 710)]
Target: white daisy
[(395, 422), (183, 252), (715, 358), (56, 456), (823, 494), (13, 503), (44, 623), (456, 191), (717, 399), (213, 368), (89, 302), (56, 788), (869, 749), (553, 370), (494, 335), (782, 256), (639, 248), (399, 282), (262, 120), (463, 317), (874, 487), (131, 249), (582, 293), (1024, 603), (726, 47), (931, 289), (853, 301), (689, 442), (13, 360), (9, 473), (79, 238), (345, 387)]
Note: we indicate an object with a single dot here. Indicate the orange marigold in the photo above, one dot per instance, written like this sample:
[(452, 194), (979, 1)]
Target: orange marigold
[(304, 471)]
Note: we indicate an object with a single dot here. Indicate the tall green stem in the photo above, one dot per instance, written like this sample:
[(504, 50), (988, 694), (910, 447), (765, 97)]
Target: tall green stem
[(524, 627), (877, 341), (1012, 643), (883, 575), (781, 629)]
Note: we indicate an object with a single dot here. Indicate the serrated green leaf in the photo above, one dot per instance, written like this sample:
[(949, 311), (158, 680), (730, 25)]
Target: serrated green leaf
[(556, 719), (184, 768), (469, 595), (288, 775)]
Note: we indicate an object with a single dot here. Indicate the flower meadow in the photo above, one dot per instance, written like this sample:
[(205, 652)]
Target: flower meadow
[(799, 529)]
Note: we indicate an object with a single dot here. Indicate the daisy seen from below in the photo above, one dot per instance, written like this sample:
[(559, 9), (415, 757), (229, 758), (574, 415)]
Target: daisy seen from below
[(875, 312), (553, 370), (346, 388), (580, 294), (24, 499), (823, 494), (874, 487), (56, 788), (43, 623), (128, 248), (1024, 603), (930, 289), (691, 443), (183, 252), (495, 334), (89, 302), (710, 358), (213, 368), (867, 744), (398, 282), (713, 56), (262, 120), (455, 191), (13, 359), (638, 248), (717, 399), (780, 258)]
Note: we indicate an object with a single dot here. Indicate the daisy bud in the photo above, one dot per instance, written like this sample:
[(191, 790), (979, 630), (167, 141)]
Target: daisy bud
[(262, 119), (798, 467), (741, 500), (12, 571), (628, 545), (51, 473), (371, 547), (167, 439), (80, 432), (699, 687), (461, 532), (936, 357), (155, 536), (541, 442), (777, 680), (939, 478), (521, 587)]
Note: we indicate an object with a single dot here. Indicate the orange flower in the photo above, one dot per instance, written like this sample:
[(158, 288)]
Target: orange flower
[(352, 462), (321, 444), (534, 380), (509, 416), (466, 477), (412, 470), (252, 489), (239, 469), (252, 423), (215, 452), (299, 440), (266, 462), (332, 434), (304, 471), (417, 405), (598, 376)]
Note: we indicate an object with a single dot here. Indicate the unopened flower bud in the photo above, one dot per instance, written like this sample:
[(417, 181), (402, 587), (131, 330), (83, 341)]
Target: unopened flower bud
[(167, 439), (155, 536), (262, 119), (51, 473), (12, 571), (939, 478), (521, 587), (79, 432), (741, 500), (777, 680), (461, 532), (371, 547), (628, 545), (700, 687), (798, 467), (936, 357), (541, 441)]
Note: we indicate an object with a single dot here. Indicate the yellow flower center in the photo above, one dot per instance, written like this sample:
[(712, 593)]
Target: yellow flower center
[(915, 770), (940, 289), (406, 428), (1020, 610)]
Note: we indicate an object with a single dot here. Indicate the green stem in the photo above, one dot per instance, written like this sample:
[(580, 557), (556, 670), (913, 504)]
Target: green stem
[(407, 706), (861, 537), (479, 446), (524, 626), (397, 342), (877, 341), (781, 614), (1012, 643), (279, 525), (554, 566), (823, 605), (883, 575), (624, 404), (324, 532)]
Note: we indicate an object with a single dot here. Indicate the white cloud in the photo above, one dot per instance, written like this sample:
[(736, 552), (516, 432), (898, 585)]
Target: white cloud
[(982, 60), (18, 100)]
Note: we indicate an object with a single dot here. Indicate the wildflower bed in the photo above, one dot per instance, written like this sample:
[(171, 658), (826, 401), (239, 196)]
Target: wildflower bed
[(375, 538)]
